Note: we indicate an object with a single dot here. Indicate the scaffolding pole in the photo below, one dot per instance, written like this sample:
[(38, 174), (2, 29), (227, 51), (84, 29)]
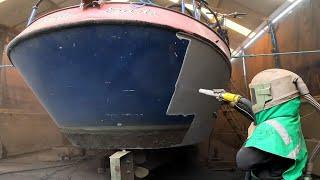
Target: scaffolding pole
[(276, 54)]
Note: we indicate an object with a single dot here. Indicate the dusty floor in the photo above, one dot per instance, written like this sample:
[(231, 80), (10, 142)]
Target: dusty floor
[(28, 167)]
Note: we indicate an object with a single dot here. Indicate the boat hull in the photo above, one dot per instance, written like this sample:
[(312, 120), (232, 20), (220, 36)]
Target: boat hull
[(110, 84)]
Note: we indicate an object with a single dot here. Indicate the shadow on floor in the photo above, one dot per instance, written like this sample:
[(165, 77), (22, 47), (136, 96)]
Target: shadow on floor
[(187, 169), (28, 168)]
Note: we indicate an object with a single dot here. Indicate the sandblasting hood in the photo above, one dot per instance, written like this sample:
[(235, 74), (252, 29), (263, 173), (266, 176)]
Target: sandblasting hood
[(275, 86)]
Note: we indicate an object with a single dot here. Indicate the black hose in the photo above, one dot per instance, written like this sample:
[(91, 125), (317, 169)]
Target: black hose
[(244, 106), (316, 150), (312, 101)]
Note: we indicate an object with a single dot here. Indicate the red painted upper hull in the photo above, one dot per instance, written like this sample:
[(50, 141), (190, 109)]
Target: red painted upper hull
[(128, 12)]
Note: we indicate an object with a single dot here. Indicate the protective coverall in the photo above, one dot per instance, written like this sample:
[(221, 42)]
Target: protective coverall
[(278, 132)]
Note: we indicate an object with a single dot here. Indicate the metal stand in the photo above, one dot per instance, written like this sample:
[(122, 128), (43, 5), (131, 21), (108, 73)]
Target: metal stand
[(121, 166)]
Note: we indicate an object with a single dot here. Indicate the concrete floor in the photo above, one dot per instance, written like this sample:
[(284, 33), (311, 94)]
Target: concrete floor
[(28, 167)]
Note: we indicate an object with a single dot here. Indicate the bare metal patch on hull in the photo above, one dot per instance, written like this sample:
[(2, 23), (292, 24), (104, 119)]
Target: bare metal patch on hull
[(203, 67)]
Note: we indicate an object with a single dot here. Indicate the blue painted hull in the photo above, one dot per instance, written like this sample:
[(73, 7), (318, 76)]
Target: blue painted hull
[(107, 86), (122, 75)]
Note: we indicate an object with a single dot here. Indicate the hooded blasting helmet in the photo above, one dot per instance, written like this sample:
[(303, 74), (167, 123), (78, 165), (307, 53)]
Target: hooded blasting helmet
[(273, 87)]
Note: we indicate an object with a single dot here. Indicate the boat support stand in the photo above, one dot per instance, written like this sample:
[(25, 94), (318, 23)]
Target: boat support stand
[(121, 165)]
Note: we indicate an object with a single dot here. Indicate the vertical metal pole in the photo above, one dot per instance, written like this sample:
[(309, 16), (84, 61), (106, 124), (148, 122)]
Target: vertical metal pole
[(183, 6), (196, 14), (2, 44), (3, 35), (194, 8), (244, 67), (275, 46)]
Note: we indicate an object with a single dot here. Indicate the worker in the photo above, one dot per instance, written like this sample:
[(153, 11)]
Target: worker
[(275, 147)]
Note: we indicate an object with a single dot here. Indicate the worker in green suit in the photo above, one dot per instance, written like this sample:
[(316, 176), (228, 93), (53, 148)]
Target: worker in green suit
[(275, 147)]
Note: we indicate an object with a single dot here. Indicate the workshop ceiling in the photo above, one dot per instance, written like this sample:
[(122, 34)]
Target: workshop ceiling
[(14, 13)]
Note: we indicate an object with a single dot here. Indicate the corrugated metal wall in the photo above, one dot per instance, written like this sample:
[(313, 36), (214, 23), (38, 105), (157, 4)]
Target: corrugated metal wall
[(296, 32)]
